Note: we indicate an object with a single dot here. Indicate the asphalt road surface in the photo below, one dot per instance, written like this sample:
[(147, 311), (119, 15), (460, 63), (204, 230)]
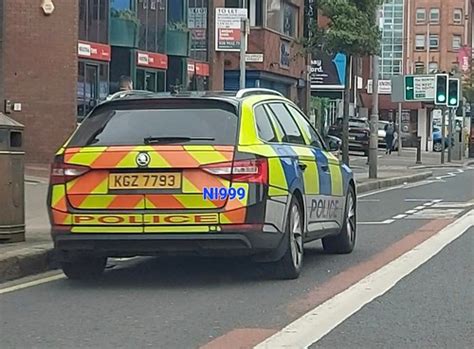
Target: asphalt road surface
[(219, 303)]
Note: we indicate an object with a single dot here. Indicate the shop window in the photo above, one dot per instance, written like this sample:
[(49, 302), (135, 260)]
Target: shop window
[(457, 16), (282, 17), (94, 20), (92, 85)]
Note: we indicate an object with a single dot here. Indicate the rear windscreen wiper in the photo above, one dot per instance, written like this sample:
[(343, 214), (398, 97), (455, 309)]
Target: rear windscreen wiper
[(175, 139)]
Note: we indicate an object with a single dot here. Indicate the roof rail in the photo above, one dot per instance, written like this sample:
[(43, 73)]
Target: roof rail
[(131, 93), (257, 91)]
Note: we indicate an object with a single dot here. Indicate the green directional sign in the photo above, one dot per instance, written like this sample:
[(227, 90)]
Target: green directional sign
[(419, 88)]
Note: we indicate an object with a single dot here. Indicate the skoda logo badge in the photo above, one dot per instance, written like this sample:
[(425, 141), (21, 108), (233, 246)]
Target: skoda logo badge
[(143, 159)]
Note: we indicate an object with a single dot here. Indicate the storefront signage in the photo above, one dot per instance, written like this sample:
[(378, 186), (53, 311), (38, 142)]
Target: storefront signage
[(191, 68), (202, 69), (254, 58), (284, 54), (152, 60), (328, 71), (228, 23), (310, 16), (92, 50)]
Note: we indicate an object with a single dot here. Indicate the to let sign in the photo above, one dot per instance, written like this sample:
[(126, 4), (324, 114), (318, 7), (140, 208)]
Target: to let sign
[(228, 23), (419, 88)]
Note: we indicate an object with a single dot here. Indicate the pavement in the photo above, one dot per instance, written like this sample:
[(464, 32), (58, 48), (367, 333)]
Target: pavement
[(35, 254), (418, 232)]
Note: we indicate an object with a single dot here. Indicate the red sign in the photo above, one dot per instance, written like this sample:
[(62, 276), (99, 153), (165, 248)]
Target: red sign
[(93, 50), (152, 60), (202, 69), (464, 58)]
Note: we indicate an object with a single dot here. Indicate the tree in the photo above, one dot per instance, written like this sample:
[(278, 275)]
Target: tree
[(352, 30)]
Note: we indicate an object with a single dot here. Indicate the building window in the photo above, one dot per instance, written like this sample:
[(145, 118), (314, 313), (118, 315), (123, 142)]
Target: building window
[(434, 15), (457, 42), (433, 67), (94, 20), (420, 15), (434, 41), (282, 17), (419, 68), (152, 16), (420, 40), (198, 26), (457, 16)]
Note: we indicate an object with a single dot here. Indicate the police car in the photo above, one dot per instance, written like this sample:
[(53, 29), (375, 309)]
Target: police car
[(229, 174)]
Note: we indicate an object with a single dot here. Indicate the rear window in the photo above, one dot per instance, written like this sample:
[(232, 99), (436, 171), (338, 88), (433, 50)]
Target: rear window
[(358, 123), (165, 126)]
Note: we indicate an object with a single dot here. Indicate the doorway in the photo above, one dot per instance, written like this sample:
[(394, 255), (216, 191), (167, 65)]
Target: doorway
[(150, 80)]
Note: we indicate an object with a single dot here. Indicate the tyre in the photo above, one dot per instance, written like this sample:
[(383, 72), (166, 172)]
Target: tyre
[(437, 147), (344, 242), (84, 267), (289, 266)]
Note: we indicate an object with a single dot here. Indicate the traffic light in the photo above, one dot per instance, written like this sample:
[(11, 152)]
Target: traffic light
[(441, 89), (453, 93)]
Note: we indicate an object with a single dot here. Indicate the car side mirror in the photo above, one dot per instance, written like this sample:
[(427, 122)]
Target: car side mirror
[(333, 146)]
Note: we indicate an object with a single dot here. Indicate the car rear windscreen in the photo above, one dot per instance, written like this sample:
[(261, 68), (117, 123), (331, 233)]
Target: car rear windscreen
[(162, 126)]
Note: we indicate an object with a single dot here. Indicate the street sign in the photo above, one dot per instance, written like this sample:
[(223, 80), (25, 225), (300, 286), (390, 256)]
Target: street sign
[(419, 88), (254, 57)]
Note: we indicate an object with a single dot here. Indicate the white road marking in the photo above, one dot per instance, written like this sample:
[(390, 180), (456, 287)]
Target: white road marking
[(32, 283), (419, 207), (453, 204), (433, 213), (387, 221), (369, 200), (410, 211), (321, 320), (428, 204), (379, 191), (460, 171), (420, 200), (399, 216)]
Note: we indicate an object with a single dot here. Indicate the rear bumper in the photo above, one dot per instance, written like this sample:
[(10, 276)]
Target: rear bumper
[(124, 245)]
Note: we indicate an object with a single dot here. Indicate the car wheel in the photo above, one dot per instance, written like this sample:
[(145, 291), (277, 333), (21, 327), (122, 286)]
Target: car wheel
[(344, 242), (289, 266), (437, 147), (84, 267)]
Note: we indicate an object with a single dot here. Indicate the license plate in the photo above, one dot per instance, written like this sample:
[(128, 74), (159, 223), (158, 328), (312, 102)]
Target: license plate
[(352, 138), (164, 180)]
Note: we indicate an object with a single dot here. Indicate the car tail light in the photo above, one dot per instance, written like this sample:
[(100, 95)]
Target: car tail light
[(62, 172), (254, 171)]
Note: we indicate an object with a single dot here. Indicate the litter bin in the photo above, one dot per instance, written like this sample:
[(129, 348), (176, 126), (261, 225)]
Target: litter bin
[(12, 183)]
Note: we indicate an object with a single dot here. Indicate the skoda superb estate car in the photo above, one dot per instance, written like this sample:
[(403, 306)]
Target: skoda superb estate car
[(231, 174)]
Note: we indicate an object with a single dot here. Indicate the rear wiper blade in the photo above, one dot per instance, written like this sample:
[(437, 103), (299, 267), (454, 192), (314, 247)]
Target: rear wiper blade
[(175, 139)]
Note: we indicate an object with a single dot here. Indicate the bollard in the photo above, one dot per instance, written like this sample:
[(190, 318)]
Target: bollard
[(418, 150)]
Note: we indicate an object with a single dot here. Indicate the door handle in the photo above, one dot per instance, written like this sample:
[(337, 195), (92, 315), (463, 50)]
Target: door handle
[(325, 168), (302, 166)]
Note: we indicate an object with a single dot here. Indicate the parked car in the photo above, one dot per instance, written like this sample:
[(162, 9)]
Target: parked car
[(359, 134), (437, 140)]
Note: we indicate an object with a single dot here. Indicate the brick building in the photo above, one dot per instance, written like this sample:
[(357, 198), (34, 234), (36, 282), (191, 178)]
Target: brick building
[(59, 65), (436, 31)]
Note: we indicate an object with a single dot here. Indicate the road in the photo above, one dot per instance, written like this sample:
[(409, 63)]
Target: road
[(219, 303)]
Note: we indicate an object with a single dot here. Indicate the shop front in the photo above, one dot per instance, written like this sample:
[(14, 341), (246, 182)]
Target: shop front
[(150, 71), (93, 75), (198, 76)]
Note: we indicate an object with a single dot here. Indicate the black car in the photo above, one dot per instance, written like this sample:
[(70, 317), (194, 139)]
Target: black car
[(359, 134)]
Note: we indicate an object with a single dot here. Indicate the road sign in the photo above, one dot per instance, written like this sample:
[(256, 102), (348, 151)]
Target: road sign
[(419, 88)]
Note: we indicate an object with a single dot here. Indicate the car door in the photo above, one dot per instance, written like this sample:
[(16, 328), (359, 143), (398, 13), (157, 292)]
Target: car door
[(297, 158), (325, 209)]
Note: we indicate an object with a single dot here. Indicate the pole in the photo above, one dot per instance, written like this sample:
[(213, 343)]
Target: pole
[(450, 134), (374, 120), (443, 133), (428, 50), (399, 129), (243, 42)]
